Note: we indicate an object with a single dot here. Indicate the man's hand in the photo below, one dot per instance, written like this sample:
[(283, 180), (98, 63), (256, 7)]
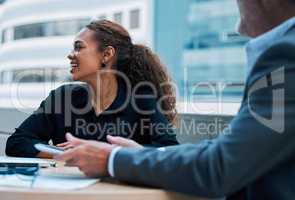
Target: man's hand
[(71, 142), (123, 142), (119, 141), (91, 157)]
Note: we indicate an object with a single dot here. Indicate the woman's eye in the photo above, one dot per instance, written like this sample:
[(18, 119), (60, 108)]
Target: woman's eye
[(77, 47)]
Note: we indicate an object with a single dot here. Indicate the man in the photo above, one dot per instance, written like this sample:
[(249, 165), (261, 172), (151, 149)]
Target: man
[(257, 159)]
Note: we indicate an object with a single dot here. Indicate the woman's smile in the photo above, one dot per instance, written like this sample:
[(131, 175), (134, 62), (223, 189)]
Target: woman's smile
[(74, 69), (74, 66)]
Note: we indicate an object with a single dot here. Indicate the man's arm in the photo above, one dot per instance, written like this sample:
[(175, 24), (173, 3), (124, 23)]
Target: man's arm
[(223, 166)]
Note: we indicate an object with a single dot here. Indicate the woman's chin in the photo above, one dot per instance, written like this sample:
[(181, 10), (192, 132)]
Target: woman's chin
[(75, 77)]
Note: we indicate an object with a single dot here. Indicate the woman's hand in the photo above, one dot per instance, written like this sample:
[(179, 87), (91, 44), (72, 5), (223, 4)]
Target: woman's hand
[(123, 142)]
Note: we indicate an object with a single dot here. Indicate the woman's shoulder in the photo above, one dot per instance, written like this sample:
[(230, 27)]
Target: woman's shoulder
[(76, 93)]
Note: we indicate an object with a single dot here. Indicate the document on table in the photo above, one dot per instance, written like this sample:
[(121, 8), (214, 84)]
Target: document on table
[(57, 181)]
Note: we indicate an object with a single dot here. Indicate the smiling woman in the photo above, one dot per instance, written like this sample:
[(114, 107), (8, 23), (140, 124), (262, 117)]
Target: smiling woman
[(126, 86)]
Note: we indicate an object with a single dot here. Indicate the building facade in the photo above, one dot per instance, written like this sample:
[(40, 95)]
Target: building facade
[(194, 38), (38, 35)]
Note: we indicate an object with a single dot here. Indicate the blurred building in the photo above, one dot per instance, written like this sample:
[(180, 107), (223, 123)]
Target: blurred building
[(214, 59), (1, 6), (194, 38), (38, 35)]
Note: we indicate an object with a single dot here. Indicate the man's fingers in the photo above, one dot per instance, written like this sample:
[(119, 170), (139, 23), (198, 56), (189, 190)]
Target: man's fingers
[(115, 140), (67, 147), (119, 141), (63, 144), (123, 142), (110, 139), (73, 140), (67, 155)]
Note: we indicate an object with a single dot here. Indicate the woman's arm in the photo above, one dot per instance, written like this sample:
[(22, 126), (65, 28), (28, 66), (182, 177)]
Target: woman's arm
[(37, 128)]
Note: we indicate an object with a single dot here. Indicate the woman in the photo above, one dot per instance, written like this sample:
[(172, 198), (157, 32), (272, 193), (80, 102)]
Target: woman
[(127, 94)]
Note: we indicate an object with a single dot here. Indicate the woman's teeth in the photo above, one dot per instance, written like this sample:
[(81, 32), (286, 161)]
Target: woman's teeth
[(74, 65)]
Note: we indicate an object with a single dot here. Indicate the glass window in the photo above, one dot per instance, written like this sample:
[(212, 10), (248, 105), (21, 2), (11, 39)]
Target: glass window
[(61, 75), (1, 77), (28, 76), (3, 36), (82, 23), (53, 28), (68, 27), (37, 75), (134, 19), (6, 76), (214, 58), (29, 31), (102, 17), (118, 17)]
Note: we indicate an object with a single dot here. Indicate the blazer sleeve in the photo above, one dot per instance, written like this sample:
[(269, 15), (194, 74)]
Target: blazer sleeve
[(37, 128), (249, 149)]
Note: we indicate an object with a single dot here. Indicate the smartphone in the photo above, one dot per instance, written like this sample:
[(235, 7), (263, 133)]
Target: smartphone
[(49, 149)]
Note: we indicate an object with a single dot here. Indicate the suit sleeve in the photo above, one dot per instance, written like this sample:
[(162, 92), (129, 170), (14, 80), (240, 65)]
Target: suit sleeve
[(260, 138), (37, 128)]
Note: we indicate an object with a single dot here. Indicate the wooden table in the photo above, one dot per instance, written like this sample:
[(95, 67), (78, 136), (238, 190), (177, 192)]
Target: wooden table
[(104, 190)]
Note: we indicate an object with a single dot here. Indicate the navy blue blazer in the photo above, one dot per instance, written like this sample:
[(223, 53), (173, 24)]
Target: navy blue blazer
[(254, 159)]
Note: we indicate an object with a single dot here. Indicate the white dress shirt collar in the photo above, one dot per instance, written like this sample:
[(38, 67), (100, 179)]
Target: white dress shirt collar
[(260, 44)]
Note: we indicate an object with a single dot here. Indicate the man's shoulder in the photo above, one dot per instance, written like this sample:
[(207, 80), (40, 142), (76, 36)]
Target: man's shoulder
[(285, 35), (282, 45), (280, 54)]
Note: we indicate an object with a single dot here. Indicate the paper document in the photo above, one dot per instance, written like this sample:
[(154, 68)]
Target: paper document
[(46, 182), (54, 178)]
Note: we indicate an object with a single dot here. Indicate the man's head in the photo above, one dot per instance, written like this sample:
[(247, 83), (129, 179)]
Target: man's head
[(260, 16)]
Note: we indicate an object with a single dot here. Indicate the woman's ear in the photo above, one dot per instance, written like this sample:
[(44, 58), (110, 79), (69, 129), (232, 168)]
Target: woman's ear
[(109, 56)]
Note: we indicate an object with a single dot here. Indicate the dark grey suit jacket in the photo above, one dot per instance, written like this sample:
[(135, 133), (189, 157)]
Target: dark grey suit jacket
[(255, 159)]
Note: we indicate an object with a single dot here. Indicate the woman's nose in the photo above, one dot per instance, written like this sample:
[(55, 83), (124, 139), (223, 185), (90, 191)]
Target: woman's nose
[(71, 55)]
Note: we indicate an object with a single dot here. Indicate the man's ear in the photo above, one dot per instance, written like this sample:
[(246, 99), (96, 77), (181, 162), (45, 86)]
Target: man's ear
[(109, 55)]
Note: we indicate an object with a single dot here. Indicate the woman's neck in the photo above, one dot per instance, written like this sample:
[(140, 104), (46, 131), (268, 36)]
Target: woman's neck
[(104, 92)]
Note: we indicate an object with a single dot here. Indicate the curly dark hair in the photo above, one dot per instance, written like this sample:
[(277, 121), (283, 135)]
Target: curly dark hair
[(137, 62)]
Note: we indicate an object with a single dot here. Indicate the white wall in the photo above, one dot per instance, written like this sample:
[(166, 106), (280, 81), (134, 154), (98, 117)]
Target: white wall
[(3, 138)]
